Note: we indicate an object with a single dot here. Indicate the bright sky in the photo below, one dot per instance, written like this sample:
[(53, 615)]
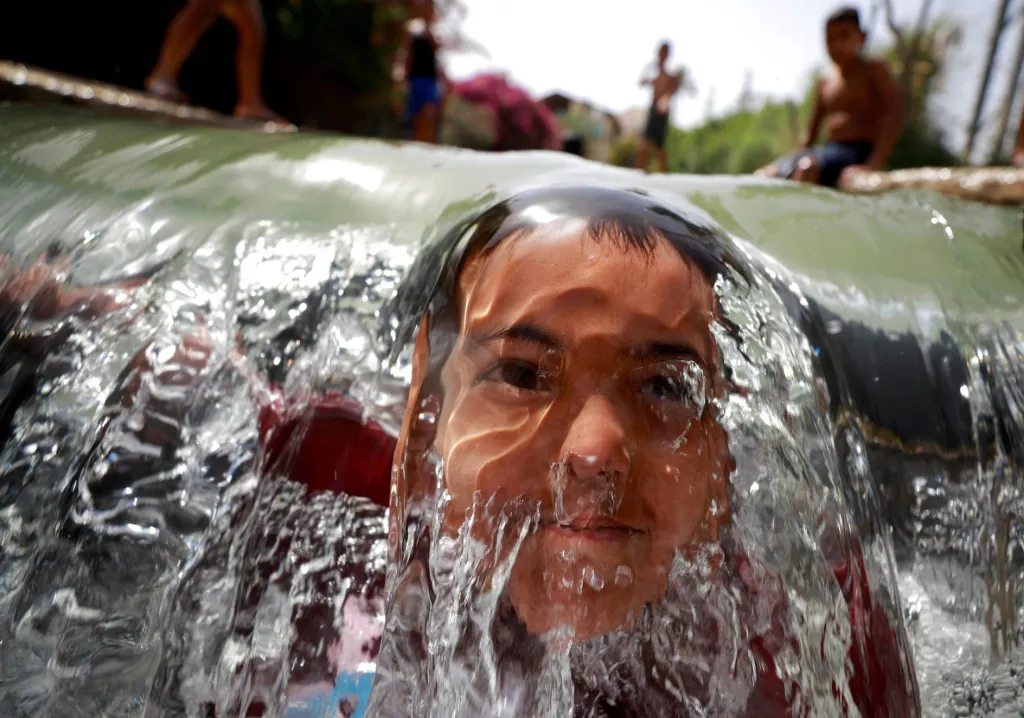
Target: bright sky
[(597, 50)]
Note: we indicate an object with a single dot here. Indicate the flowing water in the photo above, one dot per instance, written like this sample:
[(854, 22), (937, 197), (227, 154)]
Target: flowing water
[(154, 563)]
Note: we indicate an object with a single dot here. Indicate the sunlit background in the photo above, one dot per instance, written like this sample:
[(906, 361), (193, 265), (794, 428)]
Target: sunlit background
[(598, 51)]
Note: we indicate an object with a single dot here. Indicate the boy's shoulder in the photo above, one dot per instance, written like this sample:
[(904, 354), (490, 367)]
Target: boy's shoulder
[(876, 65), (827, 77), (879, 77), (869, 65), (875, 69)]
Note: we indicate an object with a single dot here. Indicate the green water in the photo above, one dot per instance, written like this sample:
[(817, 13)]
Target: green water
[(893, 260)]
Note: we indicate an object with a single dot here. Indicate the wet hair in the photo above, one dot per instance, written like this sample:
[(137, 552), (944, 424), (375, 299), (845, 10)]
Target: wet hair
[(665, 46), (630, 219), (847, 13)]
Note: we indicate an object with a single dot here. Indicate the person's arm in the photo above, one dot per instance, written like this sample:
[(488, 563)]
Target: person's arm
[(40, 289), (677, 82), (405, 56), (646, 78), (892, 119), (817, 115), (412, 28), (880, 684), (444, 86)]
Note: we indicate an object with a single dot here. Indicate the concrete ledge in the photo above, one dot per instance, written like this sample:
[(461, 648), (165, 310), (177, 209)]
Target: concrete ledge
[(21, 83), (991, 185)]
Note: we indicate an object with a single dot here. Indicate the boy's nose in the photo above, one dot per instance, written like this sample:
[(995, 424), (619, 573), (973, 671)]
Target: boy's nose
[(596, 441)]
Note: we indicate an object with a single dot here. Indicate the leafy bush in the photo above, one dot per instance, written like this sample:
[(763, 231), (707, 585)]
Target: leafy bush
[(623, 152), (336, 35), (921, 146)]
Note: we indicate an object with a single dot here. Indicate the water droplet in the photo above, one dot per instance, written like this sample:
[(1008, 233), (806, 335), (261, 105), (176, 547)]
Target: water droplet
[(623, 576)]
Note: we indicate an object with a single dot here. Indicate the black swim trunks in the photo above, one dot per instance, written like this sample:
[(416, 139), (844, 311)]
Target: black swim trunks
[(832, 159), (657, 128)]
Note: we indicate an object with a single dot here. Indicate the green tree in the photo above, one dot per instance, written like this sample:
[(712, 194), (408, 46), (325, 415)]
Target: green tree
[(919, 60), (623, 153), (919, 64), (739, 142)]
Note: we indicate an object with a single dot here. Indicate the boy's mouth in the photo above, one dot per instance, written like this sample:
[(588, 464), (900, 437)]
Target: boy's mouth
[(591, 527)]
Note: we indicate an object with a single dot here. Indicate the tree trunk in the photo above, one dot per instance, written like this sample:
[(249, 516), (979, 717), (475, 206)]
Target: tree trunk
[(872, 18), (979, 105), (999, 141), (910, 61), (907, 49), (794, 124), (709, 105)]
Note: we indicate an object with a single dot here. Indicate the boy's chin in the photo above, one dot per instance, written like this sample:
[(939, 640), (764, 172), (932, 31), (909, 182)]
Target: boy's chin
[(568, 620), (573, 613)]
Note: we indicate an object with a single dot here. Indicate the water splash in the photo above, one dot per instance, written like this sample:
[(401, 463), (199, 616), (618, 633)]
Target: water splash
[(151, 564)]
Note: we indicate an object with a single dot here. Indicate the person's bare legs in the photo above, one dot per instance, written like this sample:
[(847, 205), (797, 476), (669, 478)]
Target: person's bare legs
[(643, 154), (182, 35), (424, 125), (247, 17), (807, 170), (662, 156)]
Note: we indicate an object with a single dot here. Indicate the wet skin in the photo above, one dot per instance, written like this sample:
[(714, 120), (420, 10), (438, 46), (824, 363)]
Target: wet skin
[(578, 383), (852, 99)]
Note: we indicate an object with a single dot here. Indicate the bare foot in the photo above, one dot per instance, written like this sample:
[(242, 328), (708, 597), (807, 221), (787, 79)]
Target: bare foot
[(262, 113), (1018, 157), (167, 89)]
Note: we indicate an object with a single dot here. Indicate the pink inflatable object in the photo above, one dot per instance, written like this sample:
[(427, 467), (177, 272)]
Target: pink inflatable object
[(522, 123)]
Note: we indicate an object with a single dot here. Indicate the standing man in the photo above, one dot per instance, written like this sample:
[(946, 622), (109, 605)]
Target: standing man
[(424, 75), (664, 86)]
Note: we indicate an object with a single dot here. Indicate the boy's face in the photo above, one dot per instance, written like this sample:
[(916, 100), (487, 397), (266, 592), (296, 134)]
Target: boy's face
[(845, 40), (578, 383), (663, 53)]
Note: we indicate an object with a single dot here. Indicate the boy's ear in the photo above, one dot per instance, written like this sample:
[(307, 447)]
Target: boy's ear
[(418, 426), (421, 355)]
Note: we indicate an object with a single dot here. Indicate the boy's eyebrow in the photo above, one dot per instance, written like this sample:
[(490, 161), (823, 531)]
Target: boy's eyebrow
[(665, 350), (520, 332), (644, 352)]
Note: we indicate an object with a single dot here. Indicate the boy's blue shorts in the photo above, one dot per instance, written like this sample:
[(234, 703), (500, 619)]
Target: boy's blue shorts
[(832, 158), (422, 91)]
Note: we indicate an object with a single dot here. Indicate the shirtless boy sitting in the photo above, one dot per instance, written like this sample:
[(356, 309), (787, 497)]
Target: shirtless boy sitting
[(665, 85), (860, 106)]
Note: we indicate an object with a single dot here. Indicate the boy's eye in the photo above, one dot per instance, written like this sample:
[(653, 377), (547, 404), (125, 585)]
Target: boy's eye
[(518, 374), (664, 388), (676, 382)]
